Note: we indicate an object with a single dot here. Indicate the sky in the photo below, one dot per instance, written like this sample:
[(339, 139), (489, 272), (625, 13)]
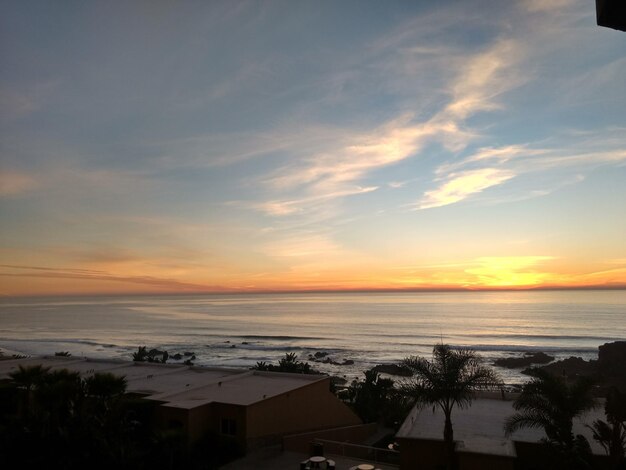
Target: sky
[(193, 146)]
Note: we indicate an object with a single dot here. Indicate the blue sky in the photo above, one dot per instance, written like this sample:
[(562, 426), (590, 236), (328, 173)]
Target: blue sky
[(159, 146)]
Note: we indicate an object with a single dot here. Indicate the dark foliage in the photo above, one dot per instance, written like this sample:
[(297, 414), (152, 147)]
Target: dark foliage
[(154, 355), (375, 399), (611, 434), (62, 420), (550, 403), (289, 363)]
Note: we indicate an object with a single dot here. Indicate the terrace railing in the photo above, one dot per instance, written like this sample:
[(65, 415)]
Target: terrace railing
[(360, 452)]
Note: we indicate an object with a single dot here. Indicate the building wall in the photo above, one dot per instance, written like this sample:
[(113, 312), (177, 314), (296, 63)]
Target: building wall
[(169, 418), (199, 422), (421, 454), (237, 413), (471, 461), (307, 408)]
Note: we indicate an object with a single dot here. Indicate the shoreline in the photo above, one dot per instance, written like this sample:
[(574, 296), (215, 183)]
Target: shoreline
[(347, 371)]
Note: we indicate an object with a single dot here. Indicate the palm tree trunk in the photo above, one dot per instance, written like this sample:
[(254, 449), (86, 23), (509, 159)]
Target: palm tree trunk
[(448, 439)]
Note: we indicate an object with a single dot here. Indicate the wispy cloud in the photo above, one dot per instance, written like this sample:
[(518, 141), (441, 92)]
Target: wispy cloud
[(461, 185), (305, 246), (620, 261), (13, 183), (490, 156), (389, 144), (479, 80), (290, 207), (493, 166), (98, 276), (484, 77), (546, 5), (19, 102)]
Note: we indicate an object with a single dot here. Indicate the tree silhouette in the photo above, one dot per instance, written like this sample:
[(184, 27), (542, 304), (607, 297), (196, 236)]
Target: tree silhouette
[(27, 378), (548, 402), (105, 387), (143, 355), (288, 363), (375, 399)]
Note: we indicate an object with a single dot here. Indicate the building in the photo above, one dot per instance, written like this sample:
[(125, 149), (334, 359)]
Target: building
[(255, 408), (479, 437)]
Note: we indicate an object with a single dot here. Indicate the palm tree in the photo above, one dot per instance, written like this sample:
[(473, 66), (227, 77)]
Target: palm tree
[(289, 363), (550, 403), (450, 379), (27, 378), (105, 387), (59, 395), (141, 354)]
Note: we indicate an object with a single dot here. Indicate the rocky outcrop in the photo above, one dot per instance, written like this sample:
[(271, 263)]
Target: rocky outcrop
[(322, 358), (526, 360), (608, 371), (572, 367), (612, 357)]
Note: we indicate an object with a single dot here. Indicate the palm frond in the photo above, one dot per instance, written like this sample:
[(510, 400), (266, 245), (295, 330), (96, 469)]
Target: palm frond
[(524, 420)]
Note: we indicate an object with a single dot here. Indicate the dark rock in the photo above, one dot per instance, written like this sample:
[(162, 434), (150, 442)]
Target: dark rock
[(608, 371), (524, 361), (245, 342), (177, 357), (232, 346), (571, 367), (612, 358), (322, 358), (392, 369), (187, 354)]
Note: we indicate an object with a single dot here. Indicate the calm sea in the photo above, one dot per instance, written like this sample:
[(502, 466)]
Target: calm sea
[(367, 328)]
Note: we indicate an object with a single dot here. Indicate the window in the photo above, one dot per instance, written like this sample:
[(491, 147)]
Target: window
[(229, 427)]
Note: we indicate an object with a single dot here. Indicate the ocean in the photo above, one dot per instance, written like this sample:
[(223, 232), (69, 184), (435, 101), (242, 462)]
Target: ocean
[(367, 328)]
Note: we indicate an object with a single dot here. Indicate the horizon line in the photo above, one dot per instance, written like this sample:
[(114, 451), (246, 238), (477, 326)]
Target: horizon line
[(381, 290)]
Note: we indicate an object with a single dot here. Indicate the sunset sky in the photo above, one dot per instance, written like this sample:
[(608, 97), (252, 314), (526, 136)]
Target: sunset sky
[(203, 146)]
